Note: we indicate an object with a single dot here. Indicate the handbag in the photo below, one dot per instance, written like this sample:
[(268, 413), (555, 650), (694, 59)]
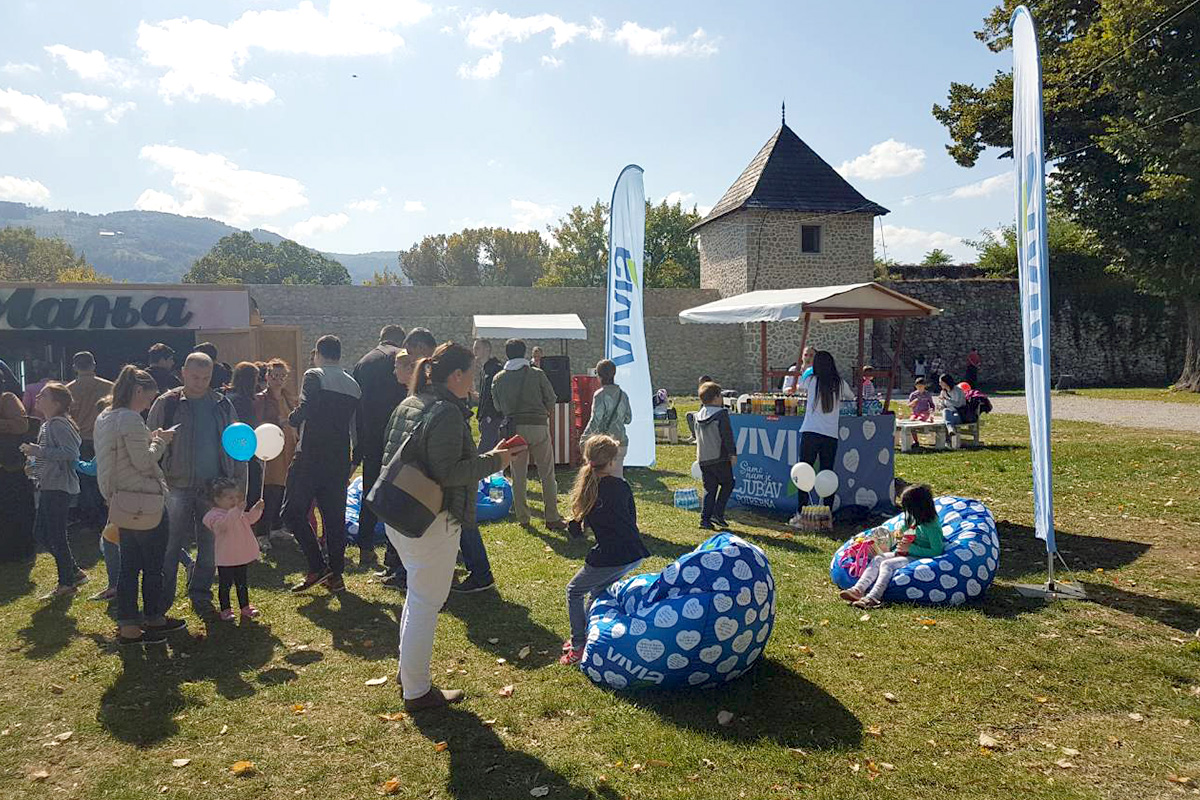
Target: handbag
[(404, 497), (135, 511), (508, 426)]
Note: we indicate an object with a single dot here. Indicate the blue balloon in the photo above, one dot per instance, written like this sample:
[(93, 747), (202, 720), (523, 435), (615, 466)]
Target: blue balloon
[(86, 468), (239, 441)]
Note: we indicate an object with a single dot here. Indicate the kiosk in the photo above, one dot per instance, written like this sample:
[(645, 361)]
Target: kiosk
[(563, 327), (768, 433)]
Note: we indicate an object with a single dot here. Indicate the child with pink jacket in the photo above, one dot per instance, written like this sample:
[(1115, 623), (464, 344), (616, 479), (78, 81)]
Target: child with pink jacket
[(236, 547)]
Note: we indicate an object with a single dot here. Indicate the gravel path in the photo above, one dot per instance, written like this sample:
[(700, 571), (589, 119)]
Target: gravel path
[(1124, 413)]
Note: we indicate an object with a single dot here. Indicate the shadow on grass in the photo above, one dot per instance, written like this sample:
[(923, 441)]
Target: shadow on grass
[(85, 546), (362, 628), (482, 768), (140, 707), (1173, 613), (50, 628), (798, 714), (576, 549), (227, 652), (15, 580), (488, 615)]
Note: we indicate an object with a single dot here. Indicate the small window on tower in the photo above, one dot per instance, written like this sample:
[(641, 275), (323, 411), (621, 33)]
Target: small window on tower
[(810, 238)]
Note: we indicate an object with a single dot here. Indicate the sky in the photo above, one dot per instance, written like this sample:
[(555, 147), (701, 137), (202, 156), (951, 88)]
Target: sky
[(359, 125)]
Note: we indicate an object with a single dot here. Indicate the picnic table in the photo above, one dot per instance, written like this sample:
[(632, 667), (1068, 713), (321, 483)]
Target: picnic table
[(942, 438)]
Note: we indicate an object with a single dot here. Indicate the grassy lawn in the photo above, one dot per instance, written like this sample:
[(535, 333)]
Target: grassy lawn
[(1087, 700), (1151, 394)]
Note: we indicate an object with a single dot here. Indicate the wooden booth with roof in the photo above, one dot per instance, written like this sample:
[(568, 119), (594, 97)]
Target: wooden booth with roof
[(767, 427)]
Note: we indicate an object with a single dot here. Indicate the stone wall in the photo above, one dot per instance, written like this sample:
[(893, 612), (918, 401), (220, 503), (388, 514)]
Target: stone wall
[(678, 353), (722, 246), (1123, 339)]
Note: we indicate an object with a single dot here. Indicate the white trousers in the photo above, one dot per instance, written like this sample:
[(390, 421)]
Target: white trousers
[(878, 574), (429, 561)]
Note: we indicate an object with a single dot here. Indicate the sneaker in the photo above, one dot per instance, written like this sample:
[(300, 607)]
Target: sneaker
[(720, 522), (849, 595), (867, 602), (81, 578), (434, 698), (473, 583), (707, 525), (168, 625), (571, 657), (279, 535), (556, 525), (310, 580), (398, 581), (106, 594), (566, 645), (384, 574), (226, 615), (130, 641), (335, 584), (59, 591), (249, 612)]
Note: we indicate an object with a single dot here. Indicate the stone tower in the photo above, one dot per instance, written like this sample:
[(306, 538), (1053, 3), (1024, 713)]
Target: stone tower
[(789, 220)]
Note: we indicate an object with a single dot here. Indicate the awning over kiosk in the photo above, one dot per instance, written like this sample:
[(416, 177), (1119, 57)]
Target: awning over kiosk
[(822, 303), (533, 326)]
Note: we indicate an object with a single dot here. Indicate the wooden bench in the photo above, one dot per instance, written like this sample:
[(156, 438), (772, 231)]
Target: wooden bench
[(943, 439)]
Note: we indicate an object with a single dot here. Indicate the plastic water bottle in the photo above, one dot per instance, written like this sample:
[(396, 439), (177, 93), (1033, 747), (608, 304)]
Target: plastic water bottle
[(496, 488)]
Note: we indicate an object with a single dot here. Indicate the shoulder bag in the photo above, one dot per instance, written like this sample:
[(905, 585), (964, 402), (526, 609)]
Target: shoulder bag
[(404, 497), (135, 511)]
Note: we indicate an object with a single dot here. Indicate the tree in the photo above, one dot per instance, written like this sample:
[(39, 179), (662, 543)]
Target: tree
[(25, 256), (580, 257), (937, 257), (385, 278), (238, 258), (1121, 85), (476, 257), (1075, 255), (513, 258)]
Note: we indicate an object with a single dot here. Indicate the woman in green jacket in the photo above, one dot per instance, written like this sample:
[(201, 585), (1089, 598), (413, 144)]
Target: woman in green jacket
[(446, 453), (611, 412)]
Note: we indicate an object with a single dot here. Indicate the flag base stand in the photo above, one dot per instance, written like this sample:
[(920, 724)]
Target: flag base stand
[(1052, 589)]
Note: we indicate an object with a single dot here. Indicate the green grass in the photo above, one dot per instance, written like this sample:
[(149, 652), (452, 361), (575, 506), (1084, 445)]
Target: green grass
[(1138, 394), (811, 719)]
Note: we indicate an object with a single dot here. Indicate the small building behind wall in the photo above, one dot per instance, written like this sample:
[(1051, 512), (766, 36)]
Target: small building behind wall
[(42, 325)]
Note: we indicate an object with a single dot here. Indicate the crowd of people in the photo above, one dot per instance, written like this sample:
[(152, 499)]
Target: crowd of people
[(164, 493)]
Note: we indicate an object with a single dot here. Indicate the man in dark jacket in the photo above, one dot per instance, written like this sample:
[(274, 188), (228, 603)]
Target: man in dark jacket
[(161, 359), (375, 374), (222, 373), (486, 412), (329, 406), (194, 457)]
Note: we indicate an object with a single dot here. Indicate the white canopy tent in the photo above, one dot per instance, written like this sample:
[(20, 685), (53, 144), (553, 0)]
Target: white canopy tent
[(532, 326), (855, 301)]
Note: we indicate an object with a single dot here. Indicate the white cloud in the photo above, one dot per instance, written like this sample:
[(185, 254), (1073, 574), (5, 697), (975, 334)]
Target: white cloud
[(93, 65), (315, 226), (890, 159), (370, 205), (909, 245), (18, 110), (211, 185), (414, 207), (529, 215), (484, 69), (551, 62), (23, 190), (119, 110), (682, 198), (85, 102), (649, 42), (492, 31), (203, 59), (12, 68), (997, 184)]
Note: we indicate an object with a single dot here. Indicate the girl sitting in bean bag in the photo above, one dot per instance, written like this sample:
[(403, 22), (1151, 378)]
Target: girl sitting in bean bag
[(921, 538), (605, 503)]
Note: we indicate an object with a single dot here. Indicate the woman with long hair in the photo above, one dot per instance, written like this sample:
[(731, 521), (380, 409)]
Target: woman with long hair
[(445, 451), (127, 456), (16, 489), (273, 404), (825, 390)]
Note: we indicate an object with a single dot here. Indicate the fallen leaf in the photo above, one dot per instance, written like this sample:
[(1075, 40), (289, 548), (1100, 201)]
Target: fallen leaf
[(368, 643), (540, 791), (823, 623), (708, 763), (636, 768), (377, 681), (39, 776), (657, 762), (506, 691), (988, 741), (927, 621), (391, 786), (298, 708), (1182, 780), (1070, 751), (64, 736), (163, 789), (864, 618), (394, 717), (441, 747), (487, 723), (724, 717), (493, 640), (796, 751), (1135, 716), (242, 769), (858, 655), (806, 650), (1041, 698), (224, 730), (875, 730), (524, 653), (1064, 764), (891, 698), (56, 689), (180, 762), (887, 767), (501, 660)]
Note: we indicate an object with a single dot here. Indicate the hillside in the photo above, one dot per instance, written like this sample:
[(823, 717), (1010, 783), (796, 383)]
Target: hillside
[(153, 247)]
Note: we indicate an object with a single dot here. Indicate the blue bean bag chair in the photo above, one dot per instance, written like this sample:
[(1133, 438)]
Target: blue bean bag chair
[(964, 570), (354, 494), (701, 622), (489, 510)]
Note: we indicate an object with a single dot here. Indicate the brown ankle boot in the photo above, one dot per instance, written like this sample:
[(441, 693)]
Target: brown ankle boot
[(434, 698)]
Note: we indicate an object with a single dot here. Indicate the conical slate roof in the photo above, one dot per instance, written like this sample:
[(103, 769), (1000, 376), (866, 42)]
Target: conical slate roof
[(788, 175)]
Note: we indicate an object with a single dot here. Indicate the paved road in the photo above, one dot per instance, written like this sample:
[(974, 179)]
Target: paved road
[(1125, 413)]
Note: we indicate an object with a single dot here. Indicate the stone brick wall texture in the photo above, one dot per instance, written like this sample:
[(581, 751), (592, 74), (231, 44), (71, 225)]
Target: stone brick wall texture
[(1141, 342), (678, 353)]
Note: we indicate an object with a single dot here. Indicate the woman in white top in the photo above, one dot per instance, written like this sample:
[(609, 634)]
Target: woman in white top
[(951, 400), (819, 431)]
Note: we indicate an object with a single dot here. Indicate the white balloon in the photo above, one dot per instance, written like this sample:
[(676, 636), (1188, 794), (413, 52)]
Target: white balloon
[(826, 483), (270, 441), (696, 473), (803, 476)]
